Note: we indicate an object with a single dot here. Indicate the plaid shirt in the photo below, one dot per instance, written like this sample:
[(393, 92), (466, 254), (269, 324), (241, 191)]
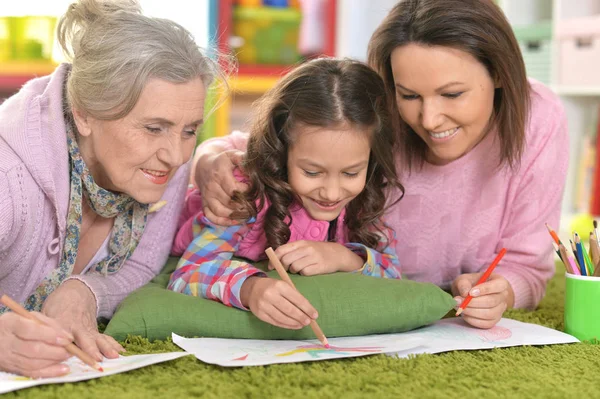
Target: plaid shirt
[(207, 269)]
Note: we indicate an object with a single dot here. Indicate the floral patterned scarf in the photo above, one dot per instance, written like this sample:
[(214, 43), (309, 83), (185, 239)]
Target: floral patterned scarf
[(130, 221)]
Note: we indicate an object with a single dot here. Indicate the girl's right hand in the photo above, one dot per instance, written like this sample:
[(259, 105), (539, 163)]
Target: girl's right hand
[(216, 182), (277, 303), (31, 349)]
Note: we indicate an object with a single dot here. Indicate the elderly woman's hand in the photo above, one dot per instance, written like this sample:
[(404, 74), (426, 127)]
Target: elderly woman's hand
[(74, 307), (31, 349), (216, 182)]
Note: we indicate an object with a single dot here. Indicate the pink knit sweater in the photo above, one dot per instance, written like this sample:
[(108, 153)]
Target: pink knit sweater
[(34, 200), (455, 218)]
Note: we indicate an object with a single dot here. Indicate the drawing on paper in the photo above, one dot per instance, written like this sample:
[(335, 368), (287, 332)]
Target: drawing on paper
[(315, 351)]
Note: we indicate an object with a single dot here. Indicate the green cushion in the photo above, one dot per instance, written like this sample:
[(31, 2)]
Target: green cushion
[(348, 304)]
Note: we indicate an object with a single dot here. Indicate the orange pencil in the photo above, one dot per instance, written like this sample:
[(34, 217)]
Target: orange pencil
[(284, 276), (71, 348), (483, 278), (554, 235)]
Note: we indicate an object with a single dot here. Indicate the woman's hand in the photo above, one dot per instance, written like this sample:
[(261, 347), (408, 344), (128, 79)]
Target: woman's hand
[(490, 299), (310, 258), (31, 349), (276, 302), (73, 305), (216, 182)]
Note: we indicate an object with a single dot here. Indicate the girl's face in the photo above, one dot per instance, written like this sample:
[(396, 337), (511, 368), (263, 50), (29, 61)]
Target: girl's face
[(445, 95), (327, 168), (139, 154)]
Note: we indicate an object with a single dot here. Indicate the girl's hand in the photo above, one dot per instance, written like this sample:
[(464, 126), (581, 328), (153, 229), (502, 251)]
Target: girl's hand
[(277, 303), (310, 258), (490, 299), (74, 307), (31, 349), (216, 182)]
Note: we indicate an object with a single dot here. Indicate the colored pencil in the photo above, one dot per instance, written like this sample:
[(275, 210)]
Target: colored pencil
[(594, 249), (554, 235), (596, 233), (580, 258), (574, 249), (71, 348), (588, 262), (284, 276), (563, 252), (482, 279), (556, 241)]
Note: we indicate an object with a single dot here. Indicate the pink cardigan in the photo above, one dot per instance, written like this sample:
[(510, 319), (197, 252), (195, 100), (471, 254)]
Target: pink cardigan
[(34, 200)]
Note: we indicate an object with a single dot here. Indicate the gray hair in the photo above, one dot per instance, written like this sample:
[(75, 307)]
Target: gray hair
[(115, 51)]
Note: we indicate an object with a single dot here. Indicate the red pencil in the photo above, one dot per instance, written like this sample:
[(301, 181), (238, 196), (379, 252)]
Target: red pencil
[(483, 278)]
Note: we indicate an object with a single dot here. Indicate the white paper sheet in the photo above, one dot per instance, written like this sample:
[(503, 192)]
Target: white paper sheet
[(82, 372), (454, 334), (445, 335), (255, 352)]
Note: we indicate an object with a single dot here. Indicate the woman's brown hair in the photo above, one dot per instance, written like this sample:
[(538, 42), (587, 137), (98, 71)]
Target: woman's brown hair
[(328, 93), (477, 27)]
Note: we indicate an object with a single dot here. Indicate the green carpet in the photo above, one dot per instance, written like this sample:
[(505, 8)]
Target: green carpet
[(555, 371)]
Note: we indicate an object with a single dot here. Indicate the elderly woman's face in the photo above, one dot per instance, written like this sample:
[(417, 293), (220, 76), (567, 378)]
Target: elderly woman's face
[(445, 95), (139, 154)]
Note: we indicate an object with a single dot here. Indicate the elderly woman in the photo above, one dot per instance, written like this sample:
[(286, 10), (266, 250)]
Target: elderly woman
[(87, 157)]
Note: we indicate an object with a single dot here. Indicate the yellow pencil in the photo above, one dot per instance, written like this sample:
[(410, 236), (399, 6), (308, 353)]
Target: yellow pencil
[(284, 276)]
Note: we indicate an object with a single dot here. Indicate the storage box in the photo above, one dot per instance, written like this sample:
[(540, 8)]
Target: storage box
[(579, 51), (269, 35), (535, 42)]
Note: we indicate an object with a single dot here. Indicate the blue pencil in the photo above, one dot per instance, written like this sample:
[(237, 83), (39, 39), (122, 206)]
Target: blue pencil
[(580, 257)]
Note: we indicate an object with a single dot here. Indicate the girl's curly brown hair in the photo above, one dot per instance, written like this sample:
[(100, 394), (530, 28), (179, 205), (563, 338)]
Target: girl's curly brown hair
[(326, 93)]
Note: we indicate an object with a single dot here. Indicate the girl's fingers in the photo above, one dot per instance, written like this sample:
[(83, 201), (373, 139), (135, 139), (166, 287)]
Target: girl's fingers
[(301, 264), (276, 317), (292, 312), (481, 323), (218, 220), (298, 301)]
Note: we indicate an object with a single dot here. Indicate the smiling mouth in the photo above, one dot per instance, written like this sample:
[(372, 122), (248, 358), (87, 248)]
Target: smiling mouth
[(326, 205), (445, 135), (156, 176)]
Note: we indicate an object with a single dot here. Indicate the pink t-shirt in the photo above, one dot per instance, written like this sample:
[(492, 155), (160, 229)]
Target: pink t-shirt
[(455, 218)]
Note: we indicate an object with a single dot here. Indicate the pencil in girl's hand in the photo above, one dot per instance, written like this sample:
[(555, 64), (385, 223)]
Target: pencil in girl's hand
[(482, 279), (284, 276), (596, 233), (71, 348)]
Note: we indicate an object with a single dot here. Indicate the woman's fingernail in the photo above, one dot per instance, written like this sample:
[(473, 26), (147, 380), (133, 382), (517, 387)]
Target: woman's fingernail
[(458, 300), (63, 369), (475, 292), (62, 341), (315, 315)]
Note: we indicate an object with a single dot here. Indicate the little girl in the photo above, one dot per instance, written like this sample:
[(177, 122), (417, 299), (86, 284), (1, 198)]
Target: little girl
[(319, 164)]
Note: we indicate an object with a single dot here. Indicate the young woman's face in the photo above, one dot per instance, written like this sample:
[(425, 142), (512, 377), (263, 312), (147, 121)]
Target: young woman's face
[(139, 154), (327, 168), (445, 95)]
